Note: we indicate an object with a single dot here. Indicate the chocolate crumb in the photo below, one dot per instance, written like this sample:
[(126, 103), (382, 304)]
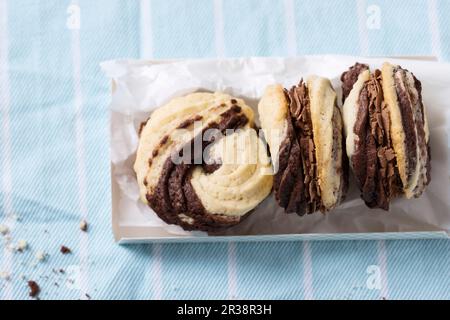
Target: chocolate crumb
[(155, 153), (65, 250), (233, 101), (34, 289)]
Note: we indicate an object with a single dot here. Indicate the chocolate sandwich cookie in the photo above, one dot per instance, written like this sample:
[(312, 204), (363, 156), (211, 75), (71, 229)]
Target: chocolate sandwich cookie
[(200, 163), (387, 134), (304, 130)]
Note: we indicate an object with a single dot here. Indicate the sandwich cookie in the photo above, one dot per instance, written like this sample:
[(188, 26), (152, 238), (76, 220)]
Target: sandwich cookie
[(304, 130), (200, 163), (387, 136)]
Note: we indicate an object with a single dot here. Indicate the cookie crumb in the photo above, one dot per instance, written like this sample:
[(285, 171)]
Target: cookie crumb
[(41, 256), (4, 230), (65, 250), (5, 275), (34, 289), (22, 245), (10, 247), (84, 226)]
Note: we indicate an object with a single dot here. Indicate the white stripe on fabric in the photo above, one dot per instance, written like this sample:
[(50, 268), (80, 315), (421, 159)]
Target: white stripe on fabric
[(5, 100), (157, 272), (219, 28), (80, 155), (291, 36), (307, 271), (232, 271), (146, 48), (362, 27), (382, 262), (433, 20), (146, 52)]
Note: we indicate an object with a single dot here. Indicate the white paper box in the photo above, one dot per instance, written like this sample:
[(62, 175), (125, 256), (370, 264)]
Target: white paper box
[(141, 86)]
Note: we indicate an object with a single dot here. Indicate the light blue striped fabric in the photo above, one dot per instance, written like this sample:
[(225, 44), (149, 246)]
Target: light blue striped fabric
[(54, 147)]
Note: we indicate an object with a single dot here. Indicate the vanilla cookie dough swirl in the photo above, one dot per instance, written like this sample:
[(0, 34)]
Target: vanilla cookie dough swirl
[(200, 163)]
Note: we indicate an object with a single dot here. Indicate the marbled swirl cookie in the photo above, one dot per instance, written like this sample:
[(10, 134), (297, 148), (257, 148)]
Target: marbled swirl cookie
[(200, 163)]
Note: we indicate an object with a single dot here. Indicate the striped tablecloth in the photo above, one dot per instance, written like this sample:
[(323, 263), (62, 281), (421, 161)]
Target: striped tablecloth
[(54, 148)]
